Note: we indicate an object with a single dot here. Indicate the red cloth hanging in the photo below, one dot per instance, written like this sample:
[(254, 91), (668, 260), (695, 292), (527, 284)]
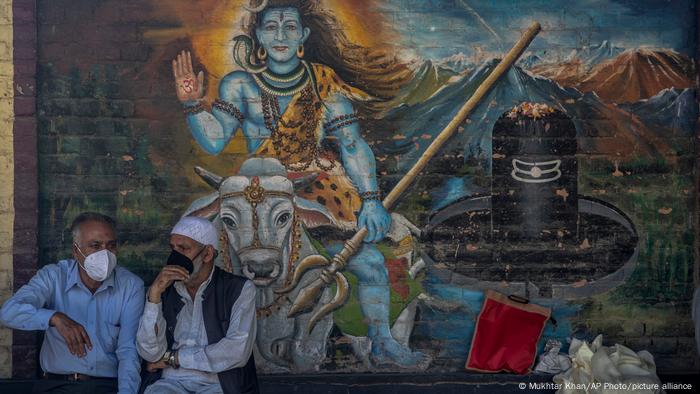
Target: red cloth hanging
[(506, 335)]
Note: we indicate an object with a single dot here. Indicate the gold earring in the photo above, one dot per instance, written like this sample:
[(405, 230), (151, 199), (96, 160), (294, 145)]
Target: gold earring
[(300, 51), (262, 53)]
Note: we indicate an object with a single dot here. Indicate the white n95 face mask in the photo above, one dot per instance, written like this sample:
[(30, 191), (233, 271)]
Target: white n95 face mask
[(99, 265)]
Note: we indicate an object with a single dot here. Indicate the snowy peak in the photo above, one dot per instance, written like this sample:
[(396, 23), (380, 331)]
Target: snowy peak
[(639, 74), (590, 55), (459, 62)]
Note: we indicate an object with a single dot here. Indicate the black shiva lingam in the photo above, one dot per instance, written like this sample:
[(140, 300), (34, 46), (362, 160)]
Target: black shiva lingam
[(534, 231), (534, 175)]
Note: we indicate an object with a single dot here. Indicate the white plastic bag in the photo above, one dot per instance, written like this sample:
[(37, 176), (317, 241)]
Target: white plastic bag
[(598, 369)]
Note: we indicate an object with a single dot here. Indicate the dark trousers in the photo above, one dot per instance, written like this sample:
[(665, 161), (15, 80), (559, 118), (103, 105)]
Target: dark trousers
[(96, 386)]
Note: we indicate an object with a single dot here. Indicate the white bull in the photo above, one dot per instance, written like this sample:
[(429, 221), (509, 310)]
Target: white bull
[(255, 212)]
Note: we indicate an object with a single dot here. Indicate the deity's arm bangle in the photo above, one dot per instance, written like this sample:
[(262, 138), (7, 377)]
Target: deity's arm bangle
[(193, 109), (229, 108), (371, 195), (339, 122)]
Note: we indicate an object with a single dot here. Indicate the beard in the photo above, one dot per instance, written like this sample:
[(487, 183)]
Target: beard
[(197, 264)]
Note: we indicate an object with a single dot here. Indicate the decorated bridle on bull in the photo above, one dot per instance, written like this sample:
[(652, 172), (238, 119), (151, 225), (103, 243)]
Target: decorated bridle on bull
[(255, 194)]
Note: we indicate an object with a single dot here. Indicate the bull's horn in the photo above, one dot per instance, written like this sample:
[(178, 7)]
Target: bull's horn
[(258, 8), (340, 297), (310, 262), (209, 177), (303, 181)]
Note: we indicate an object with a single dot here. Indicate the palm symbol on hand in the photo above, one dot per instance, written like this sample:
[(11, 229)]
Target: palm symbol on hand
[(188, 87)]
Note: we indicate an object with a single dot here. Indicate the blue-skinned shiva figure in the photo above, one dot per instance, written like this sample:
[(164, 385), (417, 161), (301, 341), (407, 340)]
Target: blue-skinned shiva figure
[(288, 106)]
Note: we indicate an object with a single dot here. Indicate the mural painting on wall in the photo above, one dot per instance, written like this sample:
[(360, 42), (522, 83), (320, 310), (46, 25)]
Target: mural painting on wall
[(571, 183)]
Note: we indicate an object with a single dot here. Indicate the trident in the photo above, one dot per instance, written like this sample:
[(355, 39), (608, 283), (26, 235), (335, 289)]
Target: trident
[(308, 297)]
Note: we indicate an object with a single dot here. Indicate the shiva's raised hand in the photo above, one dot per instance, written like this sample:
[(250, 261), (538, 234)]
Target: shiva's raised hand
[(189, 88)]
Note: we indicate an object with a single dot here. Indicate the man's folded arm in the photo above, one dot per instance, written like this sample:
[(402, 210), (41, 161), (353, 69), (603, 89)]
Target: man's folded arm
[(129, 363), (232, 351), (25, 310), (150, 337)]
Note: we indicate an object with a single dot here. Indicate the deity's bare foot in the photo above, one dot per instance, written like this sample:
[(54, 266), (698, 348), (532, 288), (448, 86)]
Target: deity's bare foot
[(386, 350)]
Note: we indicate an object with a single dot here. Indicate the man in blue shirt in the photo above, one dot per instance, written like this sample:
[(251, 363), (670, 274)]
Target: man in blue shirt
[(89, 309)]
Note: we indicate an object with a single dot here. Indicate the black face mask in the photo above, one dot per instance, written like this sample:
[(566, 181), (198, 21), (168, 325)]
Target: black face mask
[(177, 258)]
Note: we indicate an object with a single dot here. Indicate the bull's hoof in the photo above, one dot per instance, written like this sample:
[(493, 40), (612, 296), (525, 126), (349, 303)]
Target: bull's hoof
[(387, 352)]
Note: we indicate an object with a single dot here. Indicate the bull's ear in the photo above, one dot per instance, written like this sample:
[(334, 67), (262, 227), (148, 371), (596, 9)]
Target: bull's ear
[(208, 211), (304, 181), (309, 215)]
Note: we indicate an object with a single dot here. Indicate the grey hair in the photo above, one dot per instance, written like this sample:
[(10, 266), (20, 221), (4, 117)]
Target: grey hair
[(90, 217)]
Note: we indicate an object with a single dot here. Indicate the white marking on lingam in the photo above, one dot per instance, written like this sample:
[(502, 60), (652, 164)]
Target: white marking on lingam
[(536, 170)]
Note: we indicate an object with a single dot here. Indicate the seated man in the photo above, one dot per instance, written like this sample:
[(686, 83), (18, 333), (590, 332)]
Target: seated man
[(198, 327), (90, 309)]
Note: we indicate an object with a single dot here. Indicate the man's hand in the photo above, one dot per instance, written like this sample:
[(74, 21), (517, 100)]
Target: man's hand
[(189, 88), (376, 219), (73, 333), (165, 278), (153, 367)]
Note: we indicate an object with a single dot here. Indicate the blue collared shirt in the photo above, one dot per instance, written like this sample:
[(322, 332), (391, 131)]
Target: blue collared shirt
[(110, 317)]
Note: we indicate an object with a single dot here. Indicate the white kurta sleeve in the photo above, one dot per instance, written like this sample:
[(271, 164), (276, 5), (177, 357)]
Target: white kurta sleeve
[(150, 338)]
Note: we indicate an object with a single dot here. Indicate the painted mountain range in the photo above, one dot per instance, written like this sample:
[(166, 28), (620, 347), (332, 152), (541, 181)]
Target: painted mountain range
[(671, 111), (612, 131), (619, 132), (633, 75), (591, 55), (427, 79)]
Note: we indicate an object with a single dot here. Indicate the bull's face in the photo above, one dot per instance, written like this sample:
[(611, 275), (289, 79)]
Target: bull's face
[(257, 214)]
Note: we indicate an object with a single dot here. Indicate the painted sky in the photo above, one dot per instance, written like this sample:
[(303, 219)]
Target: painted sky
[(440, 28)]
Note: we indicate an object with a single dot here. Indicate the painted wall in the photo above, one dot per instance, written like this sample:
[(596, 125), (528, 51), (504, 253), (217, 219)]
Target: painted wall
[(113, 138)]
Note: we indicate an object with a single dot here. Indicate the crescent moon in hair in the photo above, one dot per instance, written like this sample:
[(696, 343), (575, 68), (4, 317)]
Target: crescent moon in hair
[(258, 8)]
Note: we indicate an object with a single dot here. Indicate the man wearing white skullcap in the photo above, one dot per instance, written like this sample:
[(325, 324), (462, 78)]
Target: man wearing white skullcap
[(198, 326), (198, 229)]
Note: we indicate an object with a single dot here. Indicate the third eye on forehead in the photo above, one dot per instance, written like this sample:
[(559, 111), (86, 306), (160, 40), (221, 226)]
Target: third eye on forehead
[(280, 16)]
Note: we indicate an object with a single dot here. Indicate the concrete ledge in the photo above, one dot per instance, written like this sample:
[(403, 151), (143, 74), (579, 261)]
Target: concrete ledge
[(413, 383), (396, 383)]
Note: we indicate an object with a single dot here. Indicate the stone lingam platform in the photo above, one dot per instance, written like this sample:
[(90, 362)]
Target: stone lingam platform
[(534, 231)]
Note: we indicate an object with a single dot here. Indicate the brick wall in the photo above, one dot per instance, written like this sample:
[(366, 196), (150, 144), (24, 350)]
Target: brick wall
[(24, 243)]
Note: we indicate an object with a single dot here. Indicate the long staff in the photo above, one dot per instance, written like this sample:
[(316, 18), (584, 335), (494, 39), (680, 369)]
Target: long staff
[(308, 297)]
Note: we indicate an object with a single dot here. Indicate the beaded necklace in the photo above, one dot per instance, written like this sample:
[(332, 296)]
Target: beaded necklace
[(287, 91), (284, 78), (288, 144)]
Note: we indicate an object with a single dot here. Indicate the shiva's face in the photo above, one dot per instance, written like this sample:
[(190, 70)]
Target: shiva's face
[(281, 33)]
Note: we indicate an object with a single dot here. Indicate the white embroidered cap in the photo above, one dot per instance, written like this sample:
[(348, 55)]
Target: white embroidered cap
[(199, 229)]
